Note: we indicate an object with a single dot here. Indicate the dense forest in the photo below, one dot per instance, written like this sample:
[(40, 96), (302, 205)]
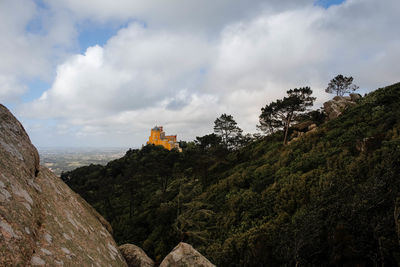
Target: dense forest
[(330, 198)]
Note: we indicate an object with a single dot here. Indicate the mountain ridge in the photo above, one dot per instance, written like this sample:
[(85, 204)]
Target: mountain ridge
[(328, 199)]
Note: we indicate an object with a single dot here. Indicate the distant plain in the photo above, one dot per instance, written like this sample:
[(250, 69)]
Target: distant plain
[(62, 159)]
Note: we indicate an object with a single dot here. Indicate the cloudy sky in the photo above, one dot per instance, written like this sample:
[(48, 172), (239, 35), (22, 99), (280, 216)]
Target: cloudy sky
[(102, 73)]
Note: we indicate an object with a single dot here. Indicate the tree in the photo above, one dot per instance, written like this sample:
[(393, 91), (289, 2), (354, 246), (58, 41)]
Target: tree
[(341, 85), (269, 122), (226, 127), (208, 141), (282, 113)]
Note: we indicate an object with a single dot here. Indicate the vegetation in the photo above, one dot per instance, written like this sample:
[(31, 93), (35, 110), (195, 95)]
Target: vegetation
[(282, 113), (329, 199), (341, 85), (226, 127)]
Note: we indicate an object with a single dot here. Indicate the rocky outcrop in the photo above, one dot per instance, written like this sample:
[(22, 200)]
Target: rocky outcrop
[(302, 130), (355, 97), (371, 143), (304, 126), (135, 256), (335, 107), (42, 222), (185, 255)]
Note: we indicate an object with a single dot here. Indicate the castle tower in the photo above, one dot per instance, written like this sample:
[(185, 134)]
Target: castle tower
[(158, 138)]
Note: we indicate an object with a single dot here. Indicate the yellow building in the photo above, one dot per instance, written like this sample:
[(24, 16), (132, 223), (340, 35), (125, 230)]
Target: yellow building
[(158, 138)]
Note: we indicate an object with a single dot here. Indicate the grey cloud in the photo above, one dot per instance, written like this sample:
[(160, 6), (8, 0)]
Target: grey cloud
[(27, 55), (136, 80), (10, 88), (137, 68), (208, 16)]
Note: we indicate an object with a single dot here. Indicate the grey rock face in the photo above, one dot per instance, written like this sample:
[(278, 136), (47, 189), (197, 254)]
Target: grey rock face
[(303, 126), (355, 97), (335, 107), (185, 255), (16, 143), (42, 222), (135, 256)]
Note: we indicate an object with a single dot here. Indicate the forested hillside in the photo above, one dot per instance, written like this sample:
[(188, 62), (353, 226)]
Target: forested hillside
[(329, 198)]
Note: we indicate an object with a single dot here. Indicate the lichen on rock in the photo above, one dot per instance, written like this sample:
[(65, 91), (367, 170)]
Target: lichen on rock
[(135, 256), (335, 107), (42, 222), (185, 255)]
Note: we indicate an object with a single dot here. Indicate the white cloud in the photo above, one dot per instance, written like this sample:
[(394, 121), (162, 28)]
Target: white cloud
[(10, 88), (139, 78), (136, 69), (184, 69), (260, 59), (32, 41)]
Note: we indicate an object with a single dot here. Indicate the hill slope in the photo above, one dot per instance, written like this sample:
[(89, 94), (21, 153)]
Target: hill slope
[(330, 198)]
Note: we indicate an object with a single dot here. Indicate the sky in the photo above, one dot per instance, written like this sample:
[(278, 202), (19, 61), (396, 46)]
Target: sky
[(99, 73)]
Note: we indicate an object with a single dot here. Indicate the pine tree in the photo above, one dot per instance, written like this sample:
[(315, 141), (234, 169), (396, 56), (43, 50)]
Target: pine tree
[(226, 127), (282, 113), (341, 85)]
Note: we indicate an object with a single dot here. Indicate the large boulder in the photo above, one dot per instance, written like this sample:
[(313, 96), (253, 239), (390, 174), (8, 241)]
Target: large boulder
[(42, 222), (335, 107), (185, 255), (135, 256), (303, 126), (355, 97)]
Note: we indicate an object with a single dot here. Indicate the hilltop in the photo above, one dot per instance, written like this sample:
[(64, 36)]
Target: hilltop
[(331, 197)]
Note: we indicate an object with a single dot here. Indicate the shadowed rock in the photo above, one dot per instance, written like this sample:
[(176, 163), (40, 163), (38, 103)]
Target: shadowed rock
[(135, 256), (185, 255), (42, 222), (303, 126)]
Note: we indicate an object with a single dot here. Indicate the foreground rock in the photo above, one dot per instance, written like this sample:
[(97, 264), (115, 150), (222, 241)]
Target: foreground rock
[(135, 256), (42, 222), (185, 255)]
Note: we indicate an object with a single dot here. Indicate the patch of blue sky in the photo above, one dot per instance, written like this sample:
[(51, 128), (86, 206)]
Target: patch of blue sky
[(36, 87), (50, 123), (203, 70), (35, 25), (40, 3), (91, 33), (328, 3)]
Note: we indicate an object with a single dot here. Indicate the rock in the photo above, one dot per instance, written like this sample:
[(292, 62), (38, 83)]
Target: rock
[(369, 143), (185, 255), (355, 97), (303, 126), (335, 107), (312, 127), (295, 136), (15, 141), (42, 222), (135, 256)]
